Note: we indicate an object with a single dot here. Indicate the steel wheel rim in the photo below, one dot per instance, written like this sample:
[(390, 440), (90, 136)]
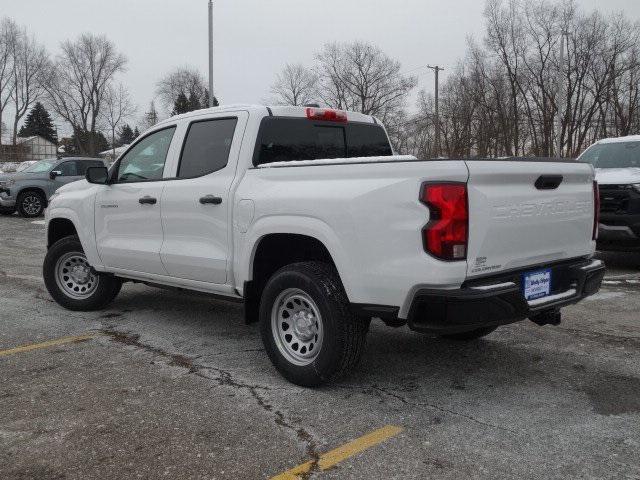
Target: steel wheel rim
[(75, 276), (296, 326), (31, 204)]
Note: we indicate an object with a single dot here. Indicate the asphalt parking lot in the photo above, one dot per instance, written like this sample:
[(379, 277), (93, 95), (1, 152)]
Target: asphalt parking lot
[(174, 385)]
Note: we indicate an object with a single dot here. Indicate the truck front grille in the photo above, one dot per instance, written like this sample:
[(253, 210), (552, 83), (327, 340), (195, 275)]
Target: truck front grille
[(614, 198)]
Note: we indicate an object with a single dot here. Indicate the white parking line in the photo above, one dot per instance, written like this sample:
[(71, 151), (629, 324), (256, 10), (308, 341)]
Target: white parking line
[(38, 222)]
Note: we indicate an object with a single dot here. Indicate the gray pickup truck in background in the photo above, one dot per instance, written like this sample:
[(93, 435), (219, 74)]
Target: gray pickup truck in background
[(29, 191)]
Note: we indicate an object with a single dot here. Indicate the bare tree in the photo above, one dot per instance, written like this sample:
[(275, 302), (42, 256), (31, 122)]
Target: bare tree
[(30, 68), (117, 107), (359, 76), (9, 33), (295, 85), (186, 80), (79, 83)]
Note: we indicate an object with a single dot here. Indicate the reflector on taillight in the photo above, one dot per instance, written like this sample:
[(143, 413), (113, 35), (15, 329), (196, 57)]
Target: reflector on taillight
[(596, 210), (446, 234), (326, 114)]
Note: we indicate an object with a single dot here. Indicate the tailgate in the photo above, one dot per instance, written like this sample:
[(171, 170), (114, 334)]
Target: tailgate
[(514, 224)]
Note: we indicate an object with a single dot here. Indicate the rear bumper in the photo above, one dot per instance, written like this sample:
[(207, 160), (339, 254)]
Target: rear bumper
[(498, 300)]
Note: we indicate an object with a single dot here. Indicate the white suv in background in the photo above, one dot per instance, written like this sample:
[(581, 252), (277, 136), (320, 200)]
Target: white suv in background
[(617, 165)]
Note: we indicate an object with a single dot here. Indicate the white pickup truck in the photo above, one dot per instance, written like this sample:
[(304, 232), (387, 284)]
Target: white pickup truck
[(307, 216)]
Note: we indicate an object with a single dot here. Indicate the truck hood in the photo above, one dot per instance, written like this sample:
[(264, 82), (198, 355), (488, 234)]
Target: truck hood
[(20, 176), (617, 176), (74, 186)]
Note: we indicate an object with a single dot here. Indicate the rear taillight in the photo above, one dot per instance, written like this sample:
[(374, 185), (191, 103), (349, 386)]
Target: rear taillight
[(446, 235), (326, 114), (596, 210)]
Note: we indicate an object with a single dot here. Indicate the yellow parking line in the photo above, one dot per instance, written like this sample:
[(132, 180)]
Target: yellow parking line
[(337, 455), (48, 343)]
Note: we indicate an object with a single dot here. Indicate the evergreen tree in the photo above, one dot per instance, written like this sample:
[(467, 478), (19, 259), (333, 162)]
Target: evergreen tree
[(87, 143), (125, 135), (205, 99), (136, 133), (151, 117), (194, 102), (181, 104), (38, 122)]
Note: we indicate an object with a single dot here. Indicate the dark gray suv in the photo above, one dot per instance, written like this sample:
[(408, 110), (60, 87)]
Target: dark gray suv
[(29, 191)]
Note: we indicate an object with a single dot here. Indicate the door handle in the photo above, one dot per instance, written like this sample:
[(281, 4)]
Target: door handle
[(210, 199), (147, 200)]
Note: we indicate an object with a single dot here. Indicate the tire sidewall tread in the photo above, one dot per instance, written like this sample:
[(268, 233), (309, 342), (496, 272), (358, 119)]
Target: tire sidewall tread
[(107, 289), (344, 333)]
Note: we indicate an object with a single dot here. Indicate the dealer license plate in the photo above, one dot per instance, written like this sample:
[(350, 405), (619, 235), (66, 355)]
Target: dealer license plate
[(536, 284)]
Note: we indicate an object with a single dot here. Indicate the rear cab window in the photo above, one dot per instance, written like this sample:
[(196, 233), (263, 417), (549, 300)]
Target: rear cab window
[(289, 139)]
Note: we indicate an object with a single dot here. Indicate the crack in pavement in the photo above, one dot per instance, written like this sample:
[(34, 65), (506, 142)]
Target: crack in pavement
[(406, 401), (223, 378)]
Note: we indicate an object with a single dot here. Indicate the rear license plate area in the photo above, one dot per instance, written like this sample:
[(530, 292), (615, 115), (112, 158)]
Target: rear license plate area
[(536, 284)]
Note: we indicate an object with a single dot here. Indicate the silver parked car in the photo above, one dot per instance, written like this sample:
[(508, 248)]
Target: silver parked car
[(29, 191)]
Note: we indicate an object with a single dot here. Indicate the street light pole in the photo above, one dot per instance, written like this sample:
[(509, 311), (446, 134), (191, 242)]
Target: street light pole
[(211, 96), (437, 69)]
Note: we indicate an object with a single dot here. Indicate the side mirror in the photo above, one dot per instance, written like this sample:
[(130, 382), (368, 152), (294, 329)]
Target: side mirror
[(54, 174), (97, 175)]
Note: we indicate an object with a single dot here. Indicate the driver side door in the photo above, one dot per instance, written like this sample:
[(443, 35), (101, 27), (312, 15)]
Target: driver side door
[(127, 210)]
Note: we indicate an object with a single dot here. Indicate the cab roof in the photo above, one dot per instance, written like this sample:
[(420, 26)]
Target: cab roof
[(265, 110)]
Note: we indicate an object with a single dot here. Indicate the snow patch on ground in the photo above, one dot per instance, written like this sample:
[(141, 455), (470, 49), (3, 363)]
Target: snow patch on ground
[(605, 296)]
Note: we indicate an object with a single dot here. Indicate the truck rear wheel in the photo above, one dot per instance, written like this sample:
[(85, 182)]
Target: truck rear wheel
[(471, 335), (307, 327), (72, 282)]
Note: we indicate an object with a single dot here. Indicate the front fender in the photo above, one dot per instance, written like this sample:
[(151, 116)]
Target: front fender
[(85, 229)]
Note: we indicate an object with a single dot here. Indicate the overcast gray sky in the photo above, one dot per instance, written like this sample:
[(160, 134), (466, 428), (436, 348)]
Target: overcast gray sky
[(255, 38)]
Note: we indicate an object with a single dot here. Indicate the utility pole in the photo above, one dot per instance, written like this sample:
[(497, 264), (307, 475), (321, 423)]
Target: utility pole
[(211, 53), (437, 69), (564, 36)]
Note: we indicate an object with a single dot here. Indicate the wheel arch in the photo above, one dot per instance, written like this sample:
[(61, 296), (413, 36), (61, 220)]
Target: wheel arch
[(60, 220), (59, 228), (274, 248)]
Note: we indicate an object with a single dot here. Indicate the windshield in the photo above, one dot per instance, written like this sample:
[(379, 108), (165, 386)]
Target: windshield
[(613, 155), (41, 166)]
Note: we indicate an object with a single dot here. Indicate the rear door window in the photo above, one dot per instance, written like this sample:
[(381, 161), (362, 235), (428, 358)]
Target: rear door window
[(291, 139), (367, 141), (206, 147)]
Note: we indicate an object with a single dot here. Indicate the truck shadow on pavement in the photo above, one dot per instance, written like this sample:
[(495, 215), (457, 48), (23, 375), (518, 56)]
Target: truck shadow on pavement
[(514, 364)]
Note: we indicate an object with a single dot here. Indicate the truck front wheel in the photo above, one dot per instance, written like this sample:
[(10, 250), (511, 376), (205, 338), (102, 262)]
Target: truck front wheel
[(72, 282), (308, 329)]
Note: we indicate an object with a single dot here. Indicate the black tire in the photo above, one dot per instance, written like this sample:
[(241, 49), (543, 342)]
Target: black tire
[(471, 335), (31, 203), (106, 287), (343, 332), (7, 210)]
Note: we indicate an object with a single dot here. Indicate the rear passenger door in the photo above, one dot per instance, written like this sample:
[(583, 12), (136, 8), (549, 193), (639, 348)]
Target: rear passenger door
[(196, 204)]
